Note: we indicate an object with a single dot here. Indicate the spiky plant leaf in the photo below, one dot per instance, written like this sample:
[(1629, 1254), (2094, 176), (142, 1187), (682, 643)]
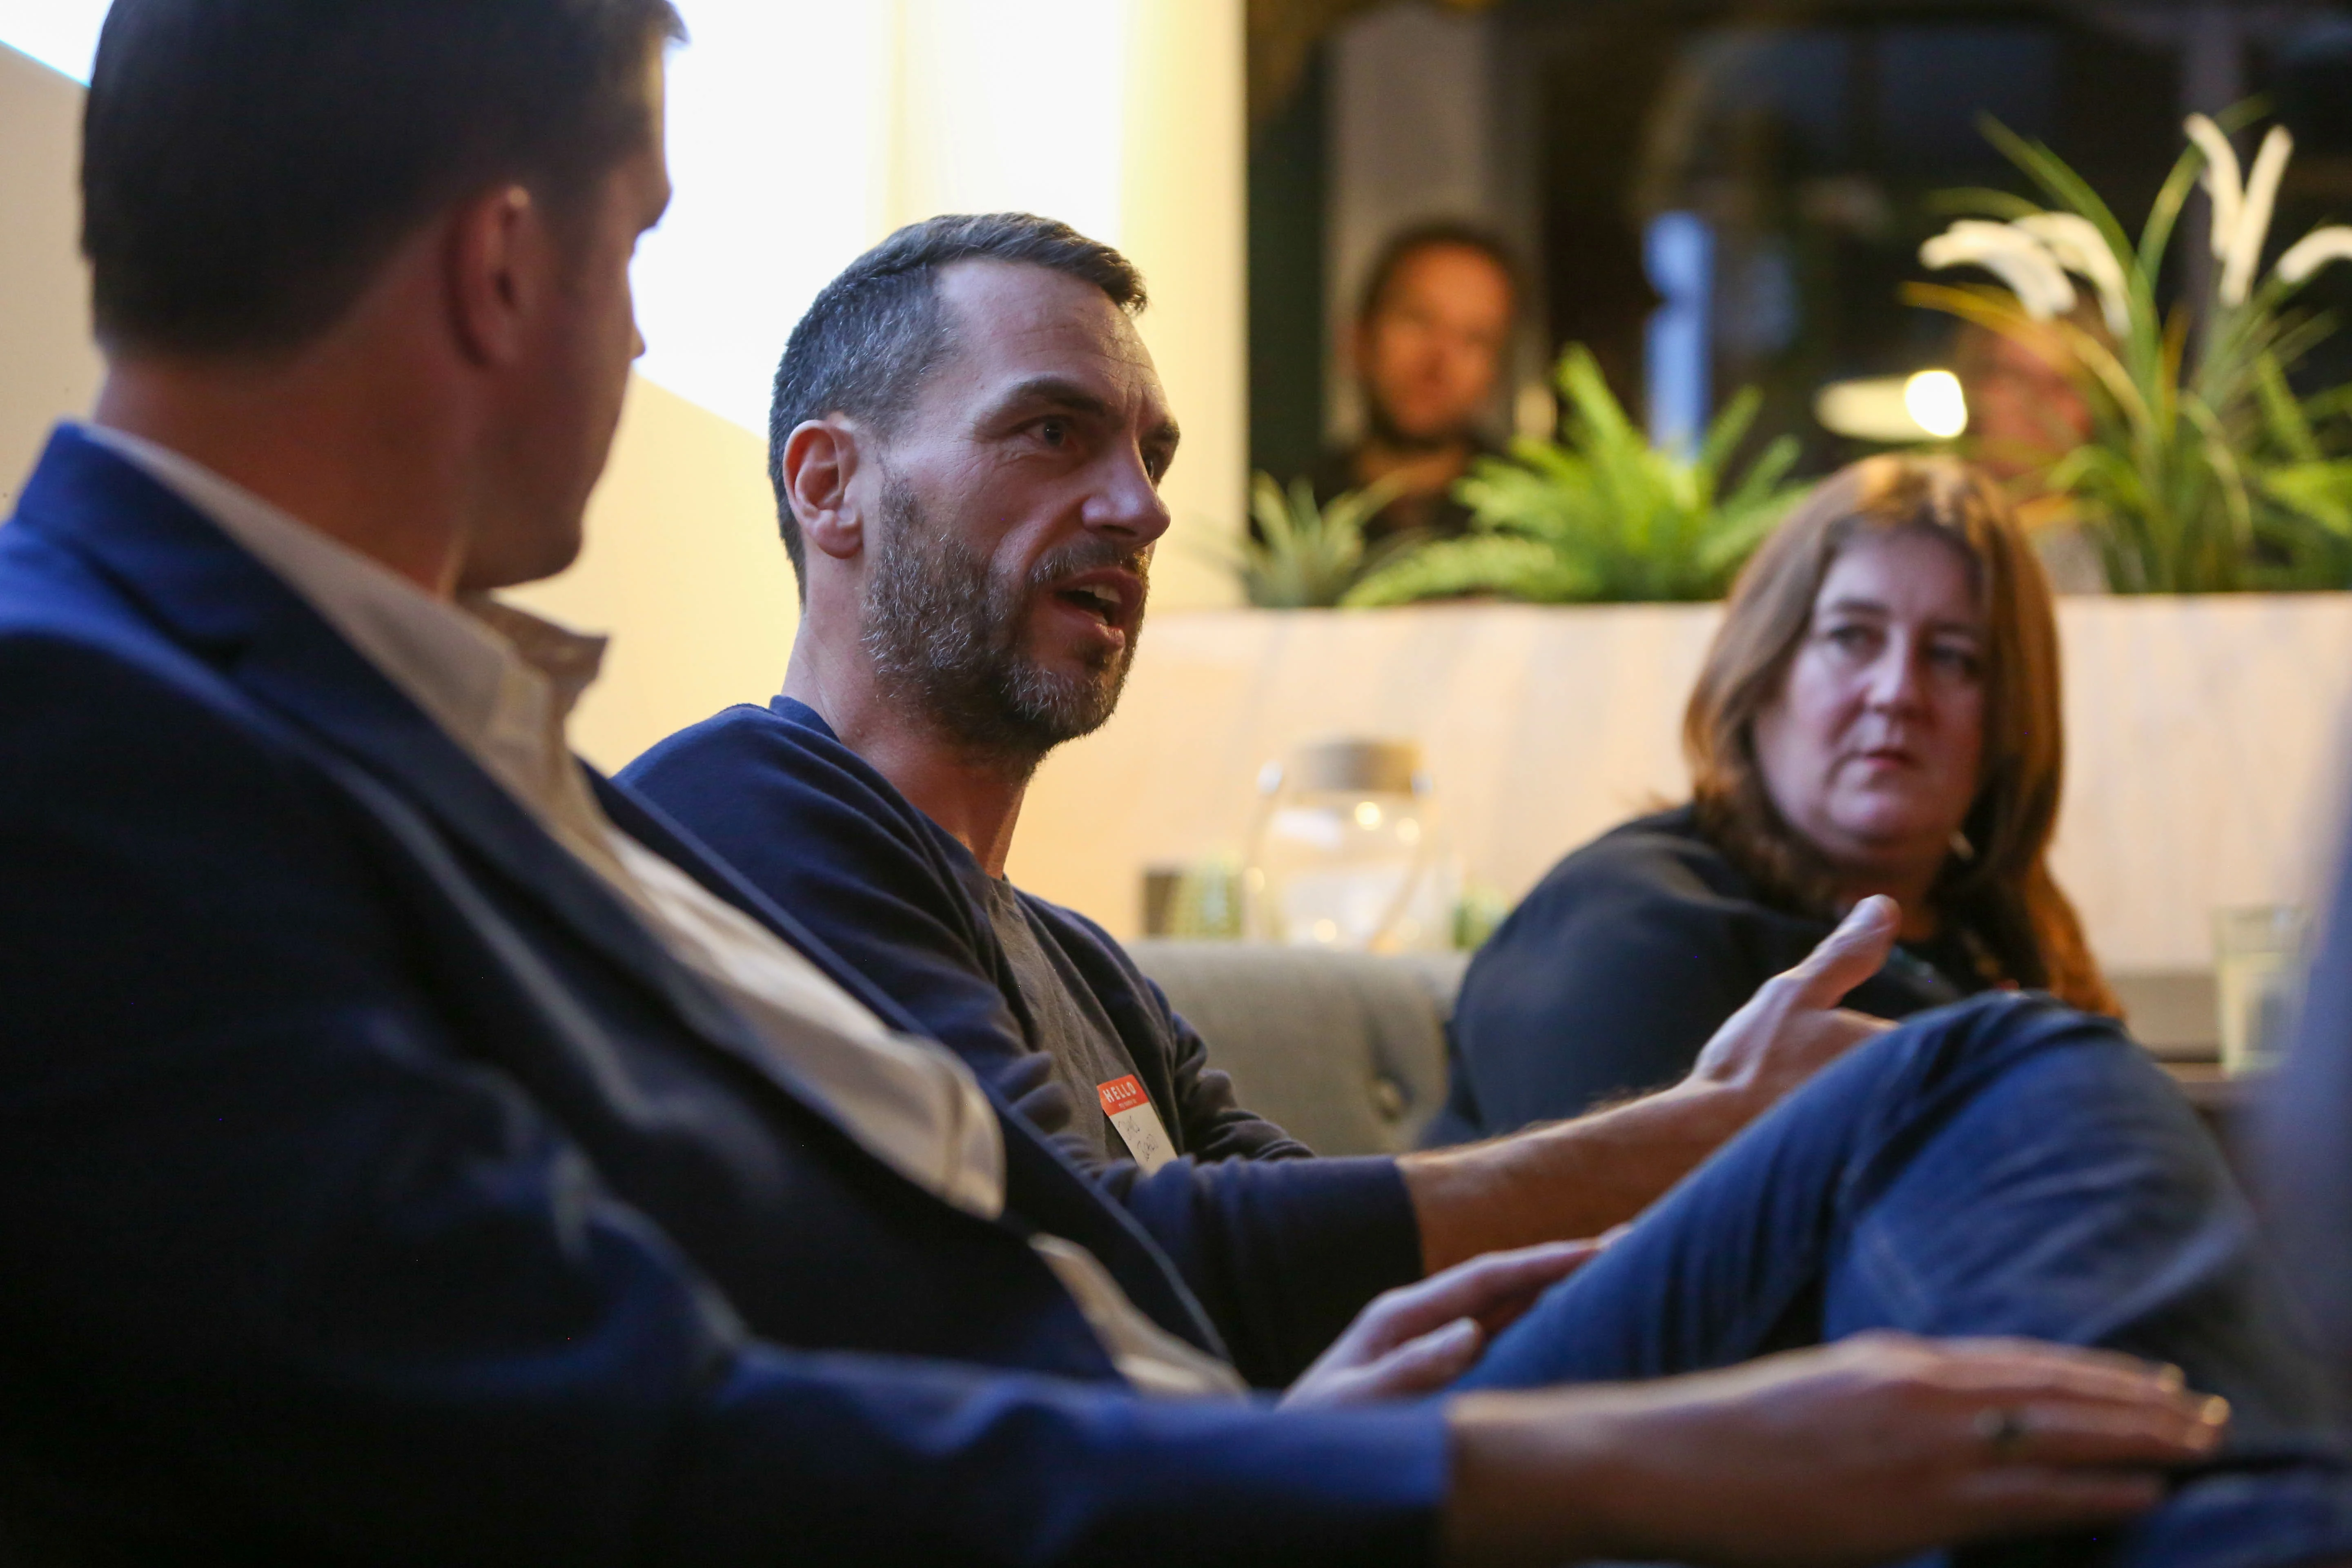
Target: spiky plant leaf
[(1307, 556), (2203, 473), (1602, 515), (1479, 564)]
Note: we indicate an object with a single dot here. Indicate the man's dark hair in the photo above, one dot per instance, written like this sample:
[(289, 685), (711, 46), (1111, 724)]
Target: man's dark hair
[(1441, 234), (875, 332), (247, 165)]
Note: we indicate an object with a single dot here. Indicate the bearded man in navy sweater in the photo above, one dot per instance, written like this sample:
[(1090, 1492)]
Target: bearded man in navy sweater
[(967, 444)]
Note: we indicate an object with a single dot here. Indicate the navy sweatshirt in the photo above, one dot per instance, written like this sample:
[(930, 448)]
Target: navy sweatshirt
[(1283, 1249)]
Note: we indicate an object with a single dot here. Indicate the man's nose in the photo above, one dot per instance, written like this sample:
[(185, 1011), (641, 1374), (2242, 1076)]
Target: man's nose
[(1128, 503)]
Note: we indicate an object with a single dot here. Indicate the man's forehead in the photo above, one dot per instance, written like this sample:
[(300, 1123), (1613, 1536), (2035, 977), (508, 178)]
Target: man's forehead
[(1012, 322)]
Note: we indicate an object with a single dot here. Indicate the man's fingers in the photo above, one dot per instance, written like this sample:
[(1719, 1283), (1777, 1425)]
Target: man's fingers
[(1849, 954), (1438, 1357), (2024, 1498), (2020, 1369), (2103, 1435), (1487, 1285), (1420, 1365)]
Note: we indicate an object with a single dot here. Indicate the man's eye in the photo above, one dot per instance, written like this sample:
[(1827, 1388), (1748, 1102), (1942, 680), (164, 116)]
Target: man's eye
[(1053, 432)]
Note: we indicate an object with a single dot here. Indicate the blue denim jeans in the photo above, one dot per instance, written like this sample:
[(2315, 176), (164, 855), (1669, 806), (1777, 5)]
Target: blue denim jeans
[(2003, 1166)]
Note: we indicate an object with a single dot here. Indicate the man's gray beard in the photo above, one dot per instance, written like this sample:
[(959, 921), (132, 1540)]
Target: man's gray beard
[(950, 635)]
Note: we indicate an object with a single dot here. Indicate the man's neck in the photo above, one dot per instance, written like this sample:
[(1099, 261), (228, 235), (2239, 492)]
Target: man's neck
[(363, 475), (975, 796)]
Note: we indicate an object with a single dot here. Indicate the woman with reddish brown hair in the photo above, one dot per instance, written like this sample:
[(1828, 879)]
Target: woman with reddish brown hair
[(1879, 714)]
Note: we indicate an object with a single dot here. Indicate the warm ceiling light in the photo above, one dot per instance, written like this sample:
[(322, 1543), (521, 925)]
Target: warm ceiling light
[(1934, 399), (1894, 410)]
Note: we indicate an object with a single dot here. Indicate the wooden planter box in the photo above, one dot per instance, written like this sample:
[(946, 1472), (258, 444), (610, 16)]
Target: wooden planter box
[(2204, 745)]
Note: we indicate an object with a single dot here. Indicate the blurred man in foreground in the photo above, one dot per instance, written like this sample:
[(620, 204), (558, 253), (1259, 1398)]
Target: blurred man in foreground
[(418, 1153), (1432, 339)]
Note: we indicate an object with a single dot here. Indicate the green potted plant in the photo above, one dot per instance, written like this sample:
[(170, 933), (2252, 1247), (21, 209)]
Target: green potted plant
[(2203, 473), (1306, 556), (1601, 516)]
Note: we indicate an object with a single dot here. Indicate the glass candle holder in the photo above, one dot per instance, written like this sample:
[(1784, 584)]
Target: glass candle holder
[(1345, 852)]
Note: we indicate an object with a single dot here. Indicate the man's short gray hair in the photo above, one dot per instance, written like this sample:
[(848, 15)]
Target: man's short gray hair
[(875, 332)]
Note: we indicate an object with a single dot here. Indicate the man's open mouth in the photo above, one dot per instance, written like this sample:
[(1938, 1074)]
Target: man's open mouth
[(1106, 603)]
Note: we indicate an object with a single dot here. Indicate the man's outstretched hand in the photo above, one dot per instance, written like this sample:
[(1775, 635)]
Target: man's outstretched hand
[(1865, 1451), (1793, 1026), (1587, 1176)]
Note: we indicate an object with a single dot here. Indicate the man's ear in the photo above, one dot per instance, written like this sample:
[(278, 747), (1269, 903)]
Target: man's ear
[(498, 260), (822, 457)]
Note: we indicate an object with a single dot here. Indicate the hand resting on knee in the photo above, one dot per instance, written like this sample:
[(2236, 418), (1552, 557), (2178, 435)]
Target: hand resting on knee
[(1864, 1451)]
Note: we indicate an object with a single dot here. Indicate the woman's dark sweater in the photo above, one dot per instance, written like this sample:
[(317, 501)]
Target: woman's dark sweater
[(1612, 975)]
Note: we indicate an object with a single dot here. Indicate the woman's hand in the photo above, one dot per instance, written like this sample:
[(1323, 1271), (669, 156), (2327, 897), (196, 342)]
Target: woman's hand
[(1421, 1337), (1864, 1451)]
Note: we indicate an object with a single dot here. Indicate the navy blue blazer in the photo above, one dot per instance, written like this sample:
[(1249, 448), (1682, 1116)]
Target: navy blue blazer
[(1282, 1250), (378, 1190)]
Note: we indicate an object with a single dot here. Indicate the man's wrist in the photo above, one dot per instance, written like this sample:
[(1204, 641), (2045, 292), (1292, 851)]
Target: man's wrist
[(1529, 1483)]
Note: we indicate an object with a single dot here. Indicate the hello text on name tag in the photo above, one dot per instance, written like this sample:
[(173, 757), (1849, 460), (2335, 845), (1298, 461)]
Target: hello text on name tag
[(1131, 1111)]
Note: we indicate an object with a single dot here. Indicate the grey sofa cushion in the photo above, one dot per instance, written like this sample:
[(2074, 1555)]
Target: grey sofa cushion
[(1346, 1051)]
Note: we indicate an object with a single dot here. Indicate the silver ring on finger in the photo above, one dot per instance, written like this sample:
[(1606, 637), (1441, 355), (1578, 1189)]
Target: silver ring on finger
[(2004, 1430)]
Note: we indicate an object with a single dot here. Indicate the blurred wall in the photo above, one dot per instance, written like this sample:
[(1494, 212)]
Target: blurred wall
[(682, 561), (1183, 179), (683, 566), (1126, 120), (47, 364)]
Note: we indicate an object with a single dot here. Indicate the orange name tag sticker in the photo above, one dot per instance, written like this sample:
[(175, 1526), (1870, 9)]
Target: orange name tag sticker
[(1131, 1111)]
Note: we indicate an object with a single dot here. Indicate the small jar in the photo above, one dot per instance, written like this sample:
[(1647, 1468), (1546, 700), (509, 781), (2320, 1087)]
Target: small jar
[(1345, 853)]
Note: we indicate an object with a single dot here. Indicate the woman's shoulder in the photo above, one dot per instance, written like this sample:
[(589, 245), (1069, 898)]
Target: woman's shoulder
[(1663, 856), (1653, 884)]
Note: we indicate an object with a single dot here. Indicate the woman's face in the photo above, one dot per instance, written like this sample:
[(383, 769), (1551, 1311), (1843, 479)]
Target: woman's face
[(1871, 749)]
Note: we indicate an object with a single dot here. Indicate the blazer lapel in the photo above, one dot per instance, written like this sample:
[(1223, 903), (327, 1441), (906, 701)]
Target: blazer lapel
[(266, 640), (216, 600)]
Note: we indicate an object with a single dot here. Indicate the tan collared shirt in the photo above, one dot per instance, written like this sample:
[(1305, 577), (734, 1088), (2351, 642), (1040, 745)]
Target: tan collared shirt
[(502, 684)]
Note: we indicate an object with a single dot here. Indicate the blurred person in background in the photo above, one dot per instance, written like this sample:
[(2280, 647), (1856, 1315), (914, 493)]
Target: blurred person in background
[(1429, 349), (1879, 714), (2024, 409), (2025, 413)]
